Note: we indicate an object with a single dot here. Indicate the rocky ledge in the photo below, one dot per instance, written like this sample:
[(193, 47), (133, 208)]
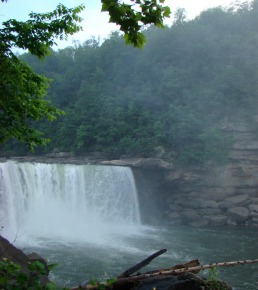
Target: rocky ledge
[(96, 158), (8, 252)]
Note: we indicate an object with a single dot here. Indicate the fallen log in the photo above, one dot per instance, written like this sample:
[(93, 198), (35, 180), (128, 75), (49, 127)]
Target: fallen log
[(188, 269), (209, 266), (130, 281), (127, 282), (142, 264), (192, 263)]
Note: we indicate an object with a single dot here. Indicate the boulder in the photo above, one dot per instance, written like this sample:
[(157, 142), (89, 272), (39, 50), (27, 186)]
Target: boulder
[(208, 204), (237, 200), (9, 251), (239, 214), (190, 215), (253, 207), (218, 220)]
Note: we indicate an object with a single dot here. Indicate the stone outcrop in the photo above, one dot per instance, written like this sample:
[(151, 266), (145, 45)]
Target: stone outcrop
[(7, 250), (214, 195), (221, 195), (17, 256)]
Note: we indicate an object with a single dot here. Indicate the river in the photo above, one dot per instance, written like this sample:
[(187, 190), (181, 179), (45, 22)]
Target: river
[(78, 262)]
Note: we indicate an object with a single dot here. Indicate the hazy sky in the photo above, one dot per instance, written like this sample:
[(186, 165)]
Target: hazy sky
[(95, 22)]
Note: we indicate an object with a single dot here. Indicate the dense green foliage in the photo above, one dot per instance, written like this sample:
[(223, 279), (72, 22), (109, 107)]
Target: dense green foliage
[(13, 278), (22, 91), (177, 92)]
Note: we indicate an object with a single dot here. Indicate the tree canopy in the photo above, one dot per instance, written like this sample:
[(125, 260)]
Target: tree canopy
[(22, 91)]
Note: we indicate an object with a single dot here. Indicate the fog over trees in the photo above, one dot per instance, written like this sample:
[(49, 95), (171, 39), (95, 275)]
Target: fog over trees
[(175, 93)]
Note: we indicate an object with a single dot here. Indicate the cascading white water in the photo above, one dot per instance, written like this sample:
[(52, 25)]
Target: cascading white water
[(74, 202)]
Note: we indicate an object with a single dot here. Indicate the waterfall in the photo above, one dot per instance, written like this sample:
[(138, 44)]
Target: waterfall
[(72, 202)]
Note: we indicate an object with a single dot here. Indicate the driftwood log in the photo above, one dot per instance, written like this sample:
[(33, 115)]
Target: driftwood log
[(142, 264), (127, 281)]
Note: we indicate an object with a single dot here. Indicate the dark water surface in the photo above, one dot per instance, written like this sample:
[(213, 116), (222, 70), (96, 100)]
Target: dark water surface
[(78, 261)]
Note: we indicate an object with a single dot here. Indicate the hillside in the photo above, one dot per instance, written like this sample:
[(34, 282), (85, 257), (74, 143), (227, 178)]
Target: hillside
[(175, 95)]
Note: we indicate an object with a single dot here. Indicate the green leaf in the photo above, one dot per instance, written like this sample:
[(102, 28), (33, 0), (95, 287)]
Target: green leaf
[(166, 12), (111, 281), (51, 286), (104, 7)]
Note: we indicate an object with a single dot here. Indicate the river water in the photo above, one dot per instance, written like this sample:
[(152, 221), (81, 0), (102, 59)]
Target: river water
[(80, 261)]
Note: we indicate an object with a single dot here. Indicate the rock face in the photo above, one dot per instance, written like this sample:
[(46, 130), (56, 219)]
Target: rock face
[(211, 195), (9, 251)]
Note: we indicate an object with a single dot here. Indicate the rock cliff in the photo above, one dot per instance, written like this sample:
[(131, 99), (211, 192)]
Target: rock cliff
[(212, 195), (218, 195)]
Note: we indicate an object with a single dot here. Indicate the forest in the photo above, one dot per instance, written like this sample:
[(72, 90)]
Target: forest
[(175, 93)]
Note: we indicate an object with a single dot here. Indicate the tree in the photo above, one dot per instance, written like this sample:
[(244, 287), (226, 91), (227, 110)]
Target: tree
[(22, 91)]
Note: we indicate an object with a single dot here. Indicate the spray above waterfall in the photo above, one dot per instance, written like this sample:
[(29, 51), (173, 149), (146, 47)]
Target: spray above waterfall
[(70, 202)]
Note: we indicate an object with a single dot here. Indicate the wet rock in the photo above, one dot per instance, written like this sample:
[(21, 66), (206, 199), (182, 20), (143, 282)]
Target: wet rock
[(190, 215), (237, 200), (253, 207), (239, 214), (218, 220), (208, 204)]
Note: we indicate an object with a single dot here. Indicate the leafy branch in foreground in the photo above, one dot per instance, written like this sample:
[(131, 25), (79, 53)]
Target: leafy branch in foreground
[(12, 277), (38, 34), (22, 91), (132, 17), (22, 101)]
